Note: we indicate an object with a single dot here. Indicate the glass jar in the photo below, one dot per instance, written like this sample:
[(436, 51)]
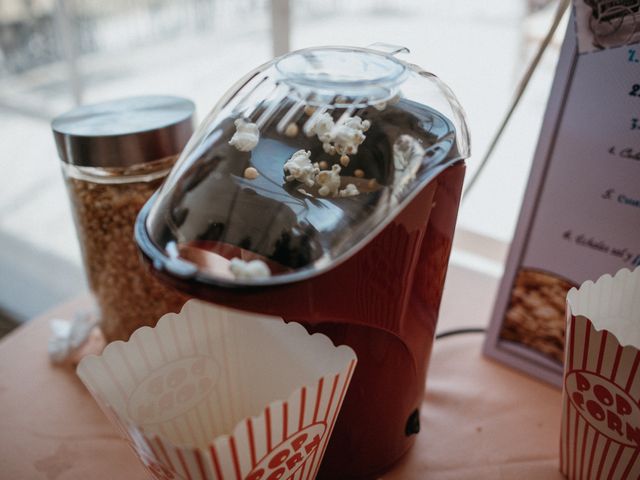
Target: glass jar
[(114, 156)]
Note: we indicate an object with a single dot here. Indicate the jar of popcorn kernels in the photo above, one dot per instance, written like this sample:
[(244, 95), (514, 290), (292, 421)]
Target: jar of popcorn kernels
[(114, 156)]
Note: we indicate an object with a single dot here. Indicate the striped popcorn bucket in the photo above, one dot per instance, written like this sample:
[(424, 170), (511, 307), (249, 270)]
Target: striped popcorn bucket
[(213, 393), (600, 435)]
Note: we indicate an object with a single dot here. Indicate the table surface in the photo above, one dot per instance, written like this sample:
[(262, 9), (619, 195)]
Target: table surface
[(480, 420)]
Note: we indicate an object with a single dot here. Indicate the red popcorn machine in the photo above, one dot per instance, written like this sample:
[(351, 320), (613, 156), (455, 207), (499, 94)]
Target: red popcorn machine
[(324, 188)]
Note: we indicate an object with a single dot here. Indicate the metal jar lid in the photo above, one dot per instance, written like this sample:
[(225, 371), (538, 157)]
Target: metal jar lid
[(124, 132)]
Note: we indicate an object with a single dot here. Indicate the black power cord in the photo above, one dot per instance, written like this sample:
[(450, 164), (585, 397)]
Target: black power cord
[(459, 331)]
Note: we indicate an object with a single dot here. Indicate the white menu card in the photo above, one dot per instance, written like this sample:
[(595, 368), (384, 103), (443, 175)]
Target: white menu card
[(581, 212)]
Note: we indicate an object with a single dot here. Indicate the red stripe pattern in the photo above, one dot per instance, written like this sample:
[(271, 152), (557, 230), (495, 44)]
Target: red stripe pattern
[(252, 453), (170, 400), (601, 406)]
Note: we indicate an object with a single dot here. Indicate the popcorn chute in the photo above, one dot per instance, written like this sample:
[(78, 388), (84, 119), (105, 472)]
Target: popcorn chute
[(335, 175)]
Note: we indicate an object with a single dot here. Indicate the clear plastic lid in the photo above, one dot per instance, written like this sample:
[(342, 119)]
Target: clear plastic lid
[(299, 165)]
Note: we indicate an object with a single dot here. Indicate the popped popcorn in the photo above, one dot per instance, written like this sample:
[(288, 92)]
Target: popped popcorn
[(349, 191), (408, 154), (246, 136), (357, 123), (67, 336), (345, 137), (328, 148), (342, 138), (253, 269), (300, 168), (321, 127), (406, 151), (329, 181)]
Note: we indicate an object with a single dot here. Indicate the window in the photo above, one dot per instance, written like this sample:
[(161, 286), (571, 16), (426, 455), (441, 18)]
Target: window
[(56, 53)]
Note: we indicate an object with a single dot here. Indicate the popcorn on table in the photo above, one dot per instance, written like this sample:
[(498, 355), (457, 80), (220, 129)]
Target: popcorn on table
[(68, 335), (246, 136), (253, 269), (329, 181), (300, 168)]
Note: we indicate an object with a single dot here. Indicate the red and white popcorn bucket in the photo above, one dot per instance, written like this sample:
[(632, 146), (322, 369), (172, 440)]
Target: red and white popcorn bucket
[(600, 436), (213, 393)]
